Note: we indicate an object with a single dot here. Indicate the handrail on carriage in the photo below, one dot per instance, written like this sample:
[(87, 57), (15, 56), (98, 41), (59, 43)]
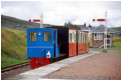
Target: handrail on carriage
[(44, 52)]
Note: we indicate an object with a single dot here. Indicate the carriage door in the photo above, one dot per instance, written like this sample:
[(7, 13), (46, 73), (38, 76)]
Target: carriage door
[(56, 48), (72, 43)]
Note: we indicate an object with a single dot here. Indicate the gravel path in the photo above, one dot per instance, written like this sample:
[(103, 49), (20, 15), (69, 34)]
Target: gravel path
[(100, 66), (14, 72)]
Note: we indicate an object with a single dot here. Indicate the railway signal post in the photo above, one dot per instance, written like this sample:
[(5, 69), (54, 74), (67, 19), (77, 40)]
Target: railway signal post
[(105, 32), (38, 20), (41, 18)]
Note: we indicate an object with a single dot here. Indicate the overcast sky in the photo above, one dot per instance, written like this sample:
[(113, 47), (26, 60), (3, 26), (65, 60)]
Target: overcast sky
[(59, 12)]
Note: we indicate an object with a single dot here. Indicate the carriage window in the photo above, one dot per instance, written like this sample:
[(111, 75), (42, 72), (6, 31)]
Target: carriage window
[(33, 36), (80, 37), (70, 37), (87, 38), (84, 38), (75, 37), (47, 36)]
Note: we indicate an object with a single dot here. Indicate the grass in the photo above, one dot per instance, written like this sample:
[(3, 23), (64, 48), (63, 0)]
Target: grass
[(13, 46), (116, 47), (12, 61), (116, 42), (90, 41)]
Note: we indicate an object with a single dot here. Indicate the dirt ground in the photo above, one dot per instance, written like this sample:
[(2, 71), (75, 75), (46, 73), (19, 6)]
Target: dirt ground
[(102, 66)]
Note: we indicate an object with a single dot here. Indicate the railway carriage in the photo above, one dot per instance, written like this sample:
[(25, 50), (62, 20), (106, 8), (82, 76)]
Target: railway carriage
[(83, 43), (80, 43), (67, 40), (50, 44)]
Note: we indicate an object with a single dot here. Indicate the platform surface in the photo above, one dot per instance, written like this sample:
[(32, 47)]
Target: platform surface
[(36, 74)]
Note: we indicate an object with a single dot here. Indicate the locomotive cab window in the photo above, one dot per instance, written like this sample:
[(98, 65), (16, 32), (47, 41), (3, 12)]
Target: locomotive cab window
[(33, 36), (47, 36)]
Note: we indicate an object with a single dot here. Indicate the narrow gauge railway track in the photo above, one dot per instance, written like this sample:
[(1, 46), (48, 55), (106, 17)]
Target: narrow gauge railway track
[(14, 66)]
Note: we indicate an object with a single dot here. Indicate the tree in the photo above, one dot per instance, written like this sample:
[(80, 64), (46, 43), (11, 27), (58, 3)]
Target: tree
[(90, 26), (85, 24), (70, 25)]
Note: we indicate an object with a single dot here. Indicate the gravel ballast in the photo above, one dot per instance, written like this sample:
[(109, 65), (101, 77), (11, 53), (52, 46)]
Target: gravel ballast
[(102, 66), (14, 72)]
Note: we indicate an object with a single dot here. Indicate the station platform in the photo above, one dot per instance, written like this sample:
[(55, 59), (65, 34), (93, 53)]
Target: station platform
[(37, 73)]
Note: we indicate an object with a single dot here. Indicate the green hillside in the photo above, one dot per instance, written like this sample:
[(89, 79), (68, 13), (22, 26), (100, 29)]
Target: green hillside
[(117, 31), (12, 22), (13, 46), (116, 28)]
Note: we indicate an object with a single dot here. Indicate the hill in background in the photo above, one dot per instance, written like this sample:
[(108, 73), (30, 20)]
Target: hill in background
[(116, 28), (117, 31), (11, 22)]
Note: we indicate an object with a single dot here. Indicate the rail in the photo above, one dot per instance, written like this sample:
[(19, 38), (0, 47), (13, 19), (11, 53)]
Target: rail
[(14, 66)]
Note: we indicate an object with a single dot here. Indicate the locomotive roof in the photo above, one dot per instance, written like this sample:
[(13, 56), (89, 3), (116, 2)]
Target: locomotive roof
[(40, 28), (58, 27), (54, 27)]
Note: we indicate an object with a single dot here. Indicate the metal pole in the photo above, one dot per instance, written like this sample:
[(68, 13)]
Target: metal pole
[(106, 29), (41, 20)]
